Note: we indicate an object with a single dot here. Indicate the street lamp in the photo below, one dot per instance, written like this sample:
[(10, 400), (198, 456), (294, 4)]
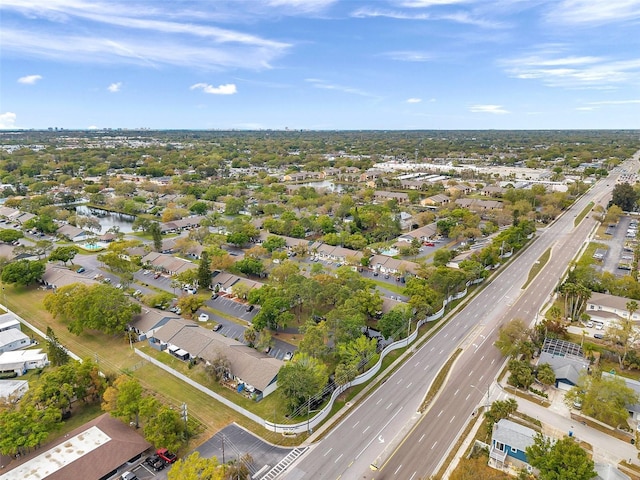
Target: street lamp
[(488, 388)]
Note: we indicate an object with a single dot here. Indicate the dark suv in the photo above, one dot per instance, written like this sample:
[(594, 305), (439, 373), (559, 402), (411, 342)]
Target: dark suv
[(155, 462)]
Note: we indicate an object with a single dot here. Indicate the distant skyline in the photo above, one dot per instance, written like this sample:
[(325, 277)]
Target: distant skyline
[(320, 64)]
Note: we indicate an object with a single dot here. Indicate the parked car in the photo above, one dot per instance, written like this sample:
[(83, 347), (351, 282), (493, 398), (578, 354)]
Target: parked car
[(166, 456), (287, 356), (267, 349), (217, 327), (137, 293), (203, 317), (214, 296), (599, 336), (157, 275), (80, 270), (155, 462), (129, 476), (250, 308)]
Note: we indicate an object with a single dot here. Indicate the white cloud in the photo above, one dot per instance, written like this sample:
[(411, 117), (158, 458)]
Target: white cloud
[(495, 109), (615, 102), (429, 3), (302, 6), (92, 127), (115, 87), (414, 100), (226, 89), (134, 32), (557, 70), (7, 120), (340, 88), (29, 79), (593, 12), (409, 56)]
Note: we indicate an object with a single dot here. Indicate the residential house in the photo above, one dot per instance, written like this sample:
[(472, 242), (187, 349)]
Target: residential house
[(634, 410), (148, 321), (602, 307), (606, 471), (478, 205), (167, 263), (493, 191), (255, 371), (73, 233), (57, 276), (384, 196), (458, 189), (301, 176), (9, 320), (435, 200), (20, 361), (13, 339), (509, 441), (424, 234), (225, 281), (566, 359), (12, 390)]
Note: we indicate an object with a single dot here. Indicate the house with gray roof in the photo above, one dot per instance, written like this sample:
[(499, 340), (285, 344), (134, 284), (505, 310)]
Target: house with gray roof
[(509, 441), (606, 471), (566, 359), (13, 339), (256, 371), (602, 307)]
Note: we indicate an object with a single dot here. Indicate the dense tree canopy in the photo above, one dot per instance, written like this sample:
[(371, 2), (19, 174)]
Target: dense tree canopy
[(98, 307), (23, 272), (563, 459)]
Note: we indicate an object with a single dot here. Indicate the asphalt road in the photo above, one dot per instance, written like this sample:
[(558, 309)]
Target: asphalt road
[(376, 428)]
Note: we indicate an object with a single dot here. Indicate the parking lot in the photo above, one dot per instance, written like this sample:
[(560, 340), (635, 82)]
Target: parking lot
[(620, 239)]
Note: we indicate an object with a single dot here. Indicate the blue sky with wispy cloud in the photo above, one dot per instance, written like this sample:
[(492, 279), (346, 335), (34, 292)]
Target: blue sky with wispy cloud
[(320, 64)]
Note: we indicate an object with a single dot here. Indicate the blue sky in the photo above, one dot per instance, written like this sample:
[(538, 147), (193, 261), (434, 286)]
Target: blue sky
[(320, 64)]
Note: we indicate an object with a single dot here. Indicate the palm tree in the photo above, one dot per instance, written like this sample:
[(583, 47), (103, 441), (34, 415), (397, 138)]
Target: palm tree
[(632, 307)]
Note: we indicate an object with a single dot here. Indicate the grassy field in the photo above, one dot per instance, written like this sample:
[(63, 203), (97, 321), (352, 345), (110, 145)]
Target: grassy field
[(537, 267)]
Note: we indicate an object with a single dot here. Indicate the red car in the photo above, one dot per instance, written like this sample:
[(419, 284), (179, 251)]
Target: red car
[(429, 244), (166, 455)]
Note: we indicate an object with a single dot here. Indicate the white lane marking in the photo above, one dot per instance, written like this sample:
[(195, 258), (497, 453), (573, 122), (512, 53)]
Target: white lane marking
[(397, 470), (389, 406), (414, 474), (379, 432), (456, 392), (421, 437), (378, 402), (356, 424), (339, 458), (452, 418), (434, 445), (399, 382), (328, 452), (365, 430), (410, 383), (467, 397), (440, 412)]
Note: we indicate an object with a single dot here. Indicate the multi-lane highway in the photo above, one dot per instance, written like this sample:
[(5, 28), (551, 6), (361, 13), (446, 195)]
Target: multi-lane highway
[(386, 429)]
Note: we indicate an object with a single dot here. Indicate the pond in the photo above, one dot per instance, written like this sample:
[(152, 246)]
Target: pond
[(325, 185), (107, 219)]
